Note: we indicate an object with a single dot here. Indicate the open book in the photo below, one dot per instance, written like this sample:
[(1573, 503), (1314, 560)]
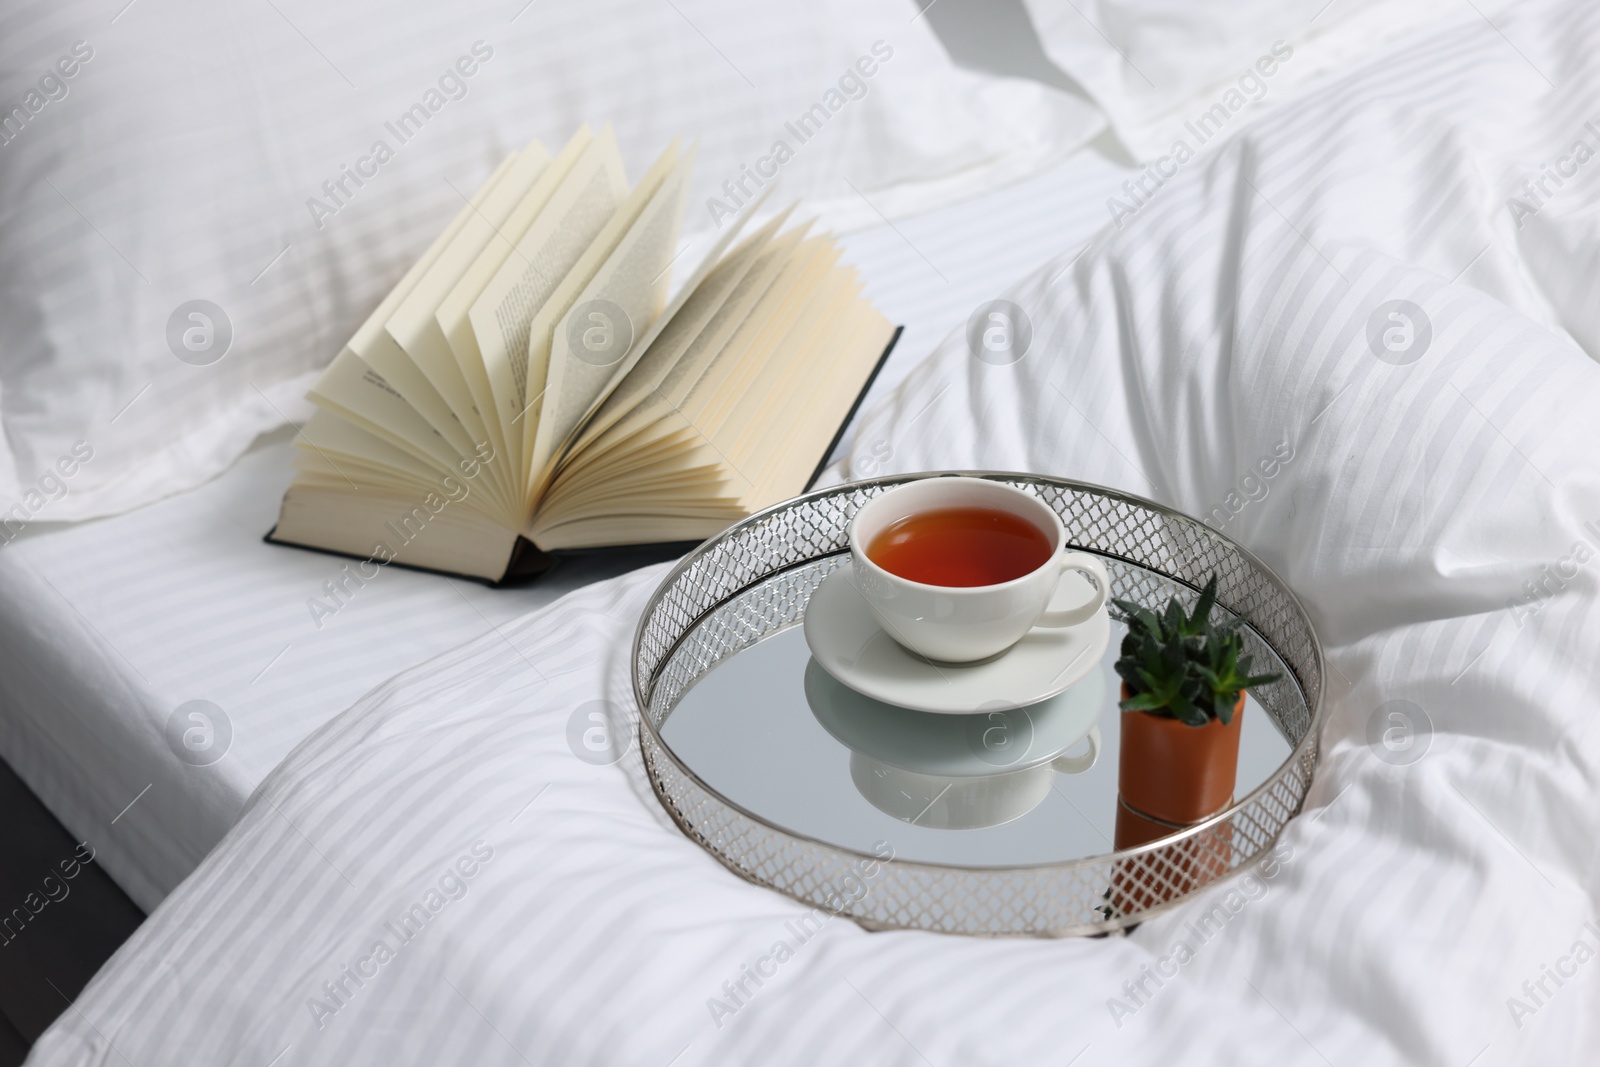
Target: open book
[(527, 387)]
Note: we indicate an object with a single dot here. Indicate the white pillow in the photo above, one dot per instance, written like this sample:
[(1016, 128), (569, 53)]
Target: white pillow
[(1154, 65), (185, 151)]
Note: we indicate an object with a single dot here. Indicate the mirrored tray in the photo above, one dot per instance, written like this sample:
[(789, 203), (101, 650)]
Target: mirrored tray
[(958, 824)]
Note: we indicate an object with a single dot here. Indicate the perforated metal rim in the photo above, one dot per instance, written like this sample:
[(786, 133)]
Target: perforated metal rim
[(689, 625)]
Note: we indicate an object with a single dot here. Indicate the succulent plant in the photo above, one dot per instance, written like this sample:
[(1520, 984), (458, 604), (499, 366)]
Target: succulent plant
[(1181, 666)]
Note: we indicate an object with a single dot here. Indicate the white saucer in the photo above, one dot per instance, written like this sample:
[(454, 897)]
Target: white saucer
[(848, 642)]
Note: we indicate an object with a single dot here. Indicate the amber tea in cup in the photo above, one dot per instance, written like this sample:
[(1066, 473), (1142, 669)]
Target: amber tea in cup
[(961, 546)]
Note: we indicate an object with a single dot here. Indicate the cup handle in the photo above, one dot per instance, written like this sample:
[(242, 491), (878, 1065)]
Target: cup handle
[(1084, 563), (1079, 764)]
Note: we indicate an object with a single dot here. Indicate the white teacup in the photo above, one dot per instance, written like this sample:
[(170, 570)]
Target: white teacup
[(961, 624)]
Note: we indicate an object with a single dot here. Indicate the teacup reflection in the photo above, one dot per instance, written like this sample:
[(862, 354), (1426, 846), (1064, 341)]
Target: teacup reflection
[(958, 772), (942, 803)]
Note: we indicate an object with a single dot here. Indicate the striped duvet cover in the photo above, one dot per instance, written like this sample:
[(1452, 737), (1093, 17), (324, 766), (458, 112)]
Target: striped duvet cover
[(1360, 338)]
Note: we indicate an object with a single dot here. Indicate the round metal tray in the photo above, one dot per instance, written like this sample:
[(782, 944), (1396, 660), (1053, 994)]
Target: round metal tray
[(749, 586)]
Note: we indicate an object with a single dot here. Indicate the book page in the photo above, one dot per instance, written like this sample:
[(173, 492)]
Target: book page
[(356, 479), (711, 400), (617, 312), (734, 433), (407, 379), (655, 414), (816, 339), (654, 355), (336, 453), (782, 471), (702, 402), (821, 304), (356, 405), (414, 324), (733, 321), (354, 391), (690, 291), (612, 295), (455, 309), (503, 316), (337, 439), (378, 350), (680, 462)]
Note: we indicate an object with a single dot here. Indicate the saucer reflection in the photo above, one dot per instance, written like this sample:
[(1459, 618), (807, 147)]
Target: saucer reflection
[(958, 772)]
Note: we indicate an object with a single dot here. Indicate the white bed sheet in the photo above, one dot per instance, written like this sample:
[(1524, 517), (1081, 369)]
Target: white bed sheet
[(1413, 916), (109, 627)]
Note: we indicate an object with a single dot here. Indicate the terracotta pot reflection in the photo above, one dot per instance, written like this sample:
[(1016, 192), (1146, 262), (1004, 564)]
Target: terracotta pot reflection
[(1171, 776)]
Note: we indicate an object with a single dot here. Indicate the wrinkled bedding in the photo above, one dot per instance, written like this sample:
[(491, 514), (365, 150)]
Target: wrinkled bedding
[(1359, 337)]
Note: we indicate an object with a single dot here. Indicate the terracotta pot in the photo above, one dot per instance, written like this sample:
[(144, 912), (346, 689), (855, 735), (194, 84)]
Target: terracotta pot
[(1174, 773)]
